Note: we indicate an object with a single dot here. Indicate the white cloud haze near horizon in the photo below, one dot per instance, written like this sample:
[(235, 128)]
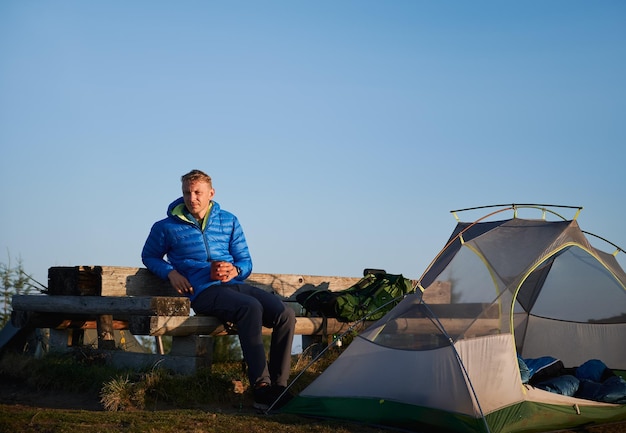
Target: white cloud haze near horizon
[(340, 133)]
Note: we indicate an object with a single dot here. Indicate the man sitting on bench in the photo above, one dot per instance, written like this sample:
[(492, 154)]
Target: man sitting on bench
[(203, 252)]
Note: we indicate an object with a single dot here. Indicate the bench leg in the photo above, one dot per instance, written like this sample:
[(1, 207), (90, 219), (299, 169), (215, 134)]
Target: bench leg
[(159, 345), (106, 339), (200, 346)]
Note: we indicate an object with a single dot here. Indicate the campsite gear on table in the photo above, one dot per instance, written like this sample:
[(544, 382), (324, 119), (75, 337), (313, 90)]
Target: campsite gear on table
[(370, 298), (511, 290)]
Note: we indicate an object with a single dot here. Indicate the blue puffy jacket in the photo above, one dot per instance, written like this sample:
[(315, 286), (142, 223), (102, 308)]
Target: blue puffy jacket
[(178, 243)]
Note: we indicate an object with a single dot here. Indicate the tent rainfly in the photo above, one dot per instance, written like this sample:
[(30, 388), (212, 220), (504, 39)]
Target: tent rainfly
[(529, 337)]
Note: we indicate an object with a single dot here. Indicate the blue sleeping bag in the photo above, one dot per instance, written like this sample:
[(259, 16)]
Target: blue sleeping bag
[(591, 370), (564, 385), (593, 380), (612, 390)]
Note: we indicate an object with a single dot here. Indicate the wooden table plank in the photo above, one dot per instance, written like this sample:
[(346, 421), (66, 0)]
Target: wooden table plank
[(103, 305), (208, 325)]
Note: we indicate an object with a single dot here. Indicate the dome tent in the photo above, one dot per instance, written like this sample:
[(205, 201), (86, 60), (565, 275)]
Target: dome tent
[(511, 292)]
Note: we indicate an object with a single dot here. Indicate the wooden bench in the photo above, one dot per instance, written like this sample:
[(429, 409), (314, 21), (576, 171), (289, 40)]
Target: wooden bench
[(111, 298), (147, 305)]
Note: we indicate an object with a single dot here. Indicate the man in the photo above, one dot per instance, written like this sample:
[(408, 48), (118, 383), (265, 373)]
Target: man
[(201, 249)]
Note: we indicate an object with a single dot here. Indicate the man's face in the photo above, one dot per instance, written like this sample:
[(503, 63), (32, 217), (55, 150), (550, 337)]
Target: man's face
[(197, 196)]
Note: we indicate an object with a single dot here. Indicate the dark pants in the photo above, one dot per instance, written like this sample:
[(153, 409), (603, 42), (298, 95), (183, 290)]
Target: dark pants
[(251, 308)]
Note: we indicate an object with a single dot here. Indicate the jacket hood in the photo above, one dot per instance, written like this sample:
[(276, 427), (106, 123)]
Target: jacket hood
[(176, 209), (173, 205)]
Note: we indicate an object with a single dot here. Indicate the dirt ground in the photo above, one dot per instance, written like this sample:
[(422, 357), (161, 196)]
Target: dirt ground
[(18, 394)]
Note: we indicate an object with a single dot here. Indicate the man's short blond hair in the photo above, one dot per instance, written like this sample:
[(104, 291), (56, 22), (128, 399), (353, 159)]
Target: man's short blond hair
[(197, 176)]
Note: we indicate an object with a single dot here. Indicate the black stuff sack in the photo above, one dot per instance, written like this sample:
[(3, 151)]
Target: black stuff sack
[(370, 298)]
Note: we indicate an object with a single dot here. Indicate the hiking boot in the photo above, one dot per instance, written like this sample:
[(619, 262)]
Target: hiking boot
[(266, 396), (262, 394), (280, 397)]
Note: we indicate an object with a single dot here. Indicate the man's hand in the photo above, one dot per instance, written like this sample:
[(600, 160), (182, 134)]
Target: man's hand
[(223, 271), (180, 283)]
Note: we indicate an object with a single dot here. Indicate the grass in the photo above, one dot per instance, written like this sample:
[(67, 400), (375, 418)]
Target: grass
[(28, 420), (154, 401)]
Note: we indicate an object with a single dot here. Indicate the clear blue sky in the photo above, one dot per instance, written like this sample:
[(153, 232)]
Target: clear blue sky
[(340, 132)]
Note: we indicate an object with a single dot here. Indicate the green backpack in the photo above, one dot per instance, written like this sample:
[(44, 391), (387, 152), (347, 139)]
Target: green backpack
[(363, 300)]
